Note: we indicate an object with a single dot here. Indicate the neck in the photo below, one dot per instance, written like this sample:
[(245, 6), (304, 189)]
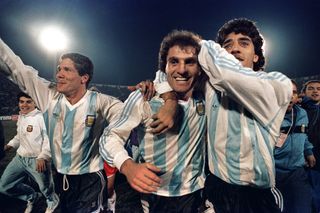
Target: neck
[(185, 96), (75, 97)]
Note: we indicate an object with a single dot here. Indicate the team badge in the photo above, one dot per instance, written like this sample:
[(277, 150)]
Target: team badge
[(200, 108), (29, 128), (90, 120)]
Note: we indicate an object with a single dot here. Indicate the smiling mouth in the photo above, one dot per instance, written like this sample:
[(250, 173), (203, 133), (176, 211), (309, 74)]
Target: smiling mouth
[(181, 78)]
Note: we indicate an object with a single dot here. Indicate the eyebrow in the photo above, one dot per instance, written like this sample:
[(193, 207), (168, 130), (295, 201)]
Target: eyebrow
[(177, 58), (227, 41)]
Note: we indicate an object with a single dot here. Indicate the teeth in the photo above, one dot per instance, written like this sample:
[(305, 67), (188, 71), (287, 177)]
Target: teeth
[(181, 79)]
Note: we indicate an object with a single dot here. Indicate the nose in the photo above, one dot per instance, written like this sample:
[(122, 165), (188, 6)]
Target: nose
[(59, 74), (235, 48), (181, 68)]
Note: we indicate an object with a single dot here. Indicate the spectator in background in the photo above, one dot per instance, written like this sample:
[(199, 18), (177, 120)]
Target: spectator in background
[(32, 159), (311, 103), (292, 150)]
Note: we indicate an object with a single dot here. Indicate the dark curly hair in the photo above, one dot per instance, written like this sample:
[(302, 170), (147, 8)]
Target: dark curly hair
[(182, 38), (248, 28)]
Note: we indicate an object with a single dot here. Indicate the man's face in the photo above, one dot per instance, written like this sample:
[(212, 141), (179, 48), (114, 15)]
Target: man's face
[(26, 105), (68, 79), (294, 98), (313, 91), (182, 69), (242, 48)]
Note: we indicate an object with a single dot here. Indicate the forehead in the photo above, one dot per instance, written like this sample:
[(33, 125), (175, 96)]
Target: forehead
[(294, 87), (66, 62), (314, 84), (176, 51), (22, 98)]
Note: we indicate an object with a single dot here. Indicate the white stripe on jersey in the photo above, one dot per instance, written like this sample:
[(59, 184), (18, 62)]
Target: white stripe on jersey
[(179, 156)]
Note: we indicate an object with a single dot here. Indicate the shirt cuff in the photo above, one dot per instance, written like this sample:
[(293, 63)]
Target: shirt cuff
[(120, 158), (163, 87)]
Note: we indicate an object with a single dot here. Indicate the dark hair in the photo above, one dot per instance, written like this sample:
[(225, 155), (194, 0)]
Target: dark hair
[(182, 38), (248, 28), (82, 64), (307, 83), (295, 83), (22, 94)]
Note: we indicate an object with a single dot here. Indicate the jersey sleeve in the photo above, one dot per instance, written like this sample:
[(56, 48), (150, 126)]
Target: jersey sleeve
[(161, 83), (26, 77), (117, 133), (263, 94)]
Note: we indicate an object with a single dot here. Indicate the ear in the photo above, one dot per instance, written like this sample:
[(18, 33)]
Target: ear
[(84, 78), (255, 58)]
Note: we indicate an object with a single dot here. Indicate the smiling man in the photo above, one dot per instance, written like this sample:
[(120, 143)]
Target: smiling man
[(75, 119), (311, 103), (170, 166), (245, 107), (32, 159)]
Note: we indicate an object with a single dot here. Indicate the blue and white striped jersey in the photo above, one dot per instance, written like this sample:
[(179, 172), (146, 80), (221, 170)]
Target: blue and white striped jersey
[(244, 113), (179, 153), (73, 130)]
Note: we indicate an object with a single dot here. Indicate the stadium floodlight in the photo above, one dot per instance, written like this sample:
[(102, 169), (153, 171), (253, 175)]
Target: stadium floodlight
[(53, 39)]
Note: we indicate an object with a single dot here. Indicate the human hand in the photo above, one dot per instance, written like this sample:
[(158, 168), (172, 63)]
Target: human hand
[(311, 161), (163, 120), (142, 177), (7, 147), (146, 87), (41, 165)]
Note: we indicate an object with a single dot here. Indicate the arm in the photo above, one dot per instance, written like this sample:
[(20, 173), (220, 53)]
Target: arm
[(165, 117), (45, 154), (117, 133), (262, 94), (310, 159), (24, 76), (15, 141)]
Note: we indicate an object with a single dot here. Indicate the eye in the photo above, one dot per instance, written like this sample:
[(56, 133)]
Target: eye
[(227, 46), (173, 61), (244, 43), (191, 61)]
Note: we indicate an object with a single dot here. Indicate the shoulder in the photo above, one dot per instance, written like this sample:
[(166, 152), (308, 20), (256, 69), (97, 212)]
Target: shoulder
[(300, 110)]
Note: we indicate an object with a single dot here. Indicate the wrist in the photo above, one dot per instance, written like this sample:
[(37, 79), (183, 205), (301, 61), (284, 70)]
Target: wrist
[(169, 96), (126, 165)]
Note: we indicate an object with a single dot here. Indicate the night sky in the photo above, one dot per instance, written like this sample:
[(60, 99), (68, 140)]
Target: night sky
[(122, 37)]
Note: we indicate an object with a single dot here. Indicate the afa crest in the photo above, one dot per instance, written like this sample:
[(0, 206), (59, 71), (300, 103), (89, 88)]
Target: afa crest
[(29, 128), (90, 120)]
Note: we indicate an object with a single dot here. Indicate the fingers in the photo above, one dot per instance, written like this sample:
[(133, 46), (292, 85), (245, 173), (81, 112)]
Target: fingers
[(150, 91), (143, 187), (132, 88), (146, 87), (40, 166), (159, 130), (160, 126), (146, 181)]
